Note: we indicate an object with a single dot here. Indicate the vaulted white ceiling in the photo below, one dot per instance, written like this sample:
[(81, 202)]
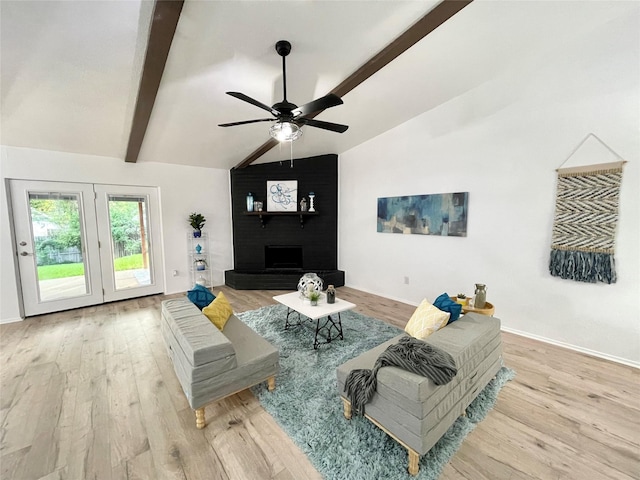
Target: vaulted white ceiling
[(71, 69)]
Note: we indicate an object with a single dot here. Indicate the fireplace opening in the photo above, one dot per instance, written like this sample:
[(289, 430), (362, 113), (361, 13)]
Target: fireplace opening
[(283, 257)]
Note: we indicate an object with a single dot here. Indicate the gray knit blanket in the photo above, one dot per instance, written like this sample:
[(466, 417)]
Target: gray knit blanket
[(409, 354)]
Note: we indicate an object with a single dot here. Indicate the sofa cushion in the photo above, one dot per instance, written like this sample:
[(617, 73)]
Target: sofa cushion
[(444, 303), (200, 296), (426, 320), (256, 360), (466, 340), (198, 339), (218, 311)]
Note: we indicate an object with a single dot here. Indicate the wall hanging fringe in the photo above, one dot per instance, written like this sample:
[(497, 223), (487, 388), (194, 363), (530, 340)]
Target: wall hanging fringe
[(582, 244)]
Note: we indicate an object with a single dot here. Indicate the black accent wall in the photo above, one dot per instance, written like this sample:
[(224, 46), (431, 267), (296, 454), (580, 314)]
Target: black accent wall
[(316, 234)]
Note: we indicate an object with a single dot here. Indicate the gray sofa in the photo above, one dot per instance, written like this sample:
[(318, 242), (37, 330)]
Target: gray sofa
[(411, 408), (211, 364)]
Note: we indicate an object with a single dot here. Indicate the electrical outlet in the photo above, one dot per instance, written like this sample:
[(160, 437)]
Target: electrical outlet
[(406, 280), (175, 273)]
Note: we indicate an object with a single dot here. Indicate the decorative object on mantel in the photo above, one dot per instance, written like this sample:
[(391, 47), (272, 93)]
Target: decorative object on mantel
[(197, 220), (249, 202), (480, 298), (257, 206), (282, 196), (312, 197), (303, 205), (442, 214), (309, 282), (584, 226)]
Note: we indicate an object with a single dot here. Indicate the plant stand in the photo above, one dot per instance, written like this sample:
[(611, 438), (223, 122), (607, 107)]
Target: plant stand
[(204, 277)]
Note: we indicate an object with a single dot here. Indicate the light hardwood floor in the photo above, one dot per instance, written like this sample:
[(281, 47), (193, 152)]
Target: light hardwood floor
[(91, 394)]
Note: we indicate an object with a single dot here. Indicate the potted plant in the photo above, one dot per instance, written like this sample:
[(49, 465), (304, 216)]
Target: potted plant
[(196, 220), (462, 299), (314, 296), (201, 263)]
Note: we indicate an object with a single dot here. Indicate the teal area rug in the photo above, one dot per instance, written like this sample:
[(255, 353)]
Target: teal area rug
[(307, 405)]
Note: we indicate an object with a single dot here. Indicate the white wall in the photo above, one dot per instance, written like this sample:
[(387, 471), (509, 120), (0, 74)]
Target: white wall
[(502, 143), (182, 191)]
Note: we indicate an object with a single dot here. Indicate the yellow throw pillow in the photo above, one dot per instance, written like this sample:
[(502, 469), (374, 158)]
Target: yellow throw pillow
[(426, 320), (218, 311)]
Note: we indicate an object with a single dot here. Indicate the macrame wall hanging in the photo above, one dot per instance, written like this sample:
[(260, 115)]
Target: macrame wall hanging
[(584, 227)]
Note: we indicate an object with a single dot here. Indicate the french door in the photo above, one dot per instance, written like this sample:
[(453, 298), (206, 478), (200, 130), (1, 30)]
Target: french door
[(84, 244)]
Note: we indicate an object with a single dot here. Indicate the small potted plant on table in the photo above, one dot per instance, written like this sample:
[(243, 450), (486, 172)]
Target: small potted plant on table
[(314, 296)]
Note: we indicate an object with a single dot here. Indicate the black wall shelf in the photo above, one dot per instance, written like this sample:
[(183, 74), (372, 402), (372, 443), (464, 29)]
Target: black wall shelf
[(264, 216)]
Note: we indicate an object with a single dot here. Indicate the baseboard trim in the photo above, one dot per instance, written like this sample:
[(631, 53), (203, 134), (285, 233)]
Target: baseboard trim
[(11, 320), (575, 348), (383, 294)]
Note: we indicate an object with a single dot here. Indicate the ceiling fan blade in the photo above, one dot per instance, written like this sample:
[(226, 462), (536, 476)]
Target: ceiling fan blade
[(233, 124), (334, 127), (252, 101), (321, 103)]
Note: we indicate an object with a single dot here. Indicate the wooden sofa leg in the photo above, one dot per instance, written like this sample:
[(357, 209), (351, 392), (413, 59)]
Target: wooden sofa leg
[(414, 460), (271, 383), (347, 408), (200, 422)]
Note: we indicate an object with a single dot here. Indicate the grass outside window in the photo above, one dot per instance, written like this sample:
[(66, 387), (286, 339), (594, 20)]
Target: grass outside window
[(66, 270)]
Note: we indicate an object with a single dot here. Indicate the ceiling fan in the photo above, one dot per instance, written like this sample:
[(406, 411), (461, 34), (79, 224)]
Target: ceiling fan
[(289, 117)]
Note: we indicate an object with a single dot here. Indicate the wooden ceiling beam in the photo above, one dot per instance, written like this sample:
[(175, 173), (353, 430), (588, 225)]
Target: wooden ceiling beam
[(423, 27), (166, 14)]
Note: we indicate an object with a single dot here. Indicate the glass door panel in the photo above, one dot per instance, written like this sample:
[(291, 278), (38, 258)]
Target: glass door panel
[(129, 231), (129, 241), (57, 245), (58, 240)]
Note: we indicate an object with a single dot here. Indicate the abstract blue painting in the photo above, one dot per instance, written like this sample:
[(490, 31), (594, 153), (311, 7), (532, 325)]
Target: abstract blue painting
[(282, 196), (443, 214)]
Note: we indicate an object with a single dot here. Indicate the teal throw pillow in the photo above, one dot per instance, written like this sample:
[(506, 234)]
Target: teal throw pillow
[(444, 303), (200, 296)]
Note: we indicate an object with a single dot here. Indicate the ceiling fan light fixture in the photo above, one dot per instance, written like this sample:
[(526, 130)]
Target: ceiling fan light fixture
[(285, 131)]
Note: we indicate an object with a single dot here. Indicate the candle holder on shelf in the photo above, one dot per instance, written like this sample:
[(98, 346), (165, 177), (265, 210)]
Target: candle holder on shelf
[(312, 196)]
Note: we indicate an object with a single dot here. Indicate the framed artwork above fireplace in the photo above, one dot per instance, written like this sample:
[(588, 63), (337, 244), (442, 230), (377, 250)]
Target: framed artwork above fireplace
[(282, 195)]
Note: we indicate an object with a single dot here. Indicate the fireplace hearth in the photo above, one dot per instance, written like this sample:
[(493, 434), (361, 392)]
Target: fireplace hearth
[(278, 280)]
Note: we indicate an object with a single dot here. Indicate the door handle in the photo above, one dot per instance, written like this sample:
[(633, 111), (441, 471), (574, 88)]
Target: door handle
[(24, 254)]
